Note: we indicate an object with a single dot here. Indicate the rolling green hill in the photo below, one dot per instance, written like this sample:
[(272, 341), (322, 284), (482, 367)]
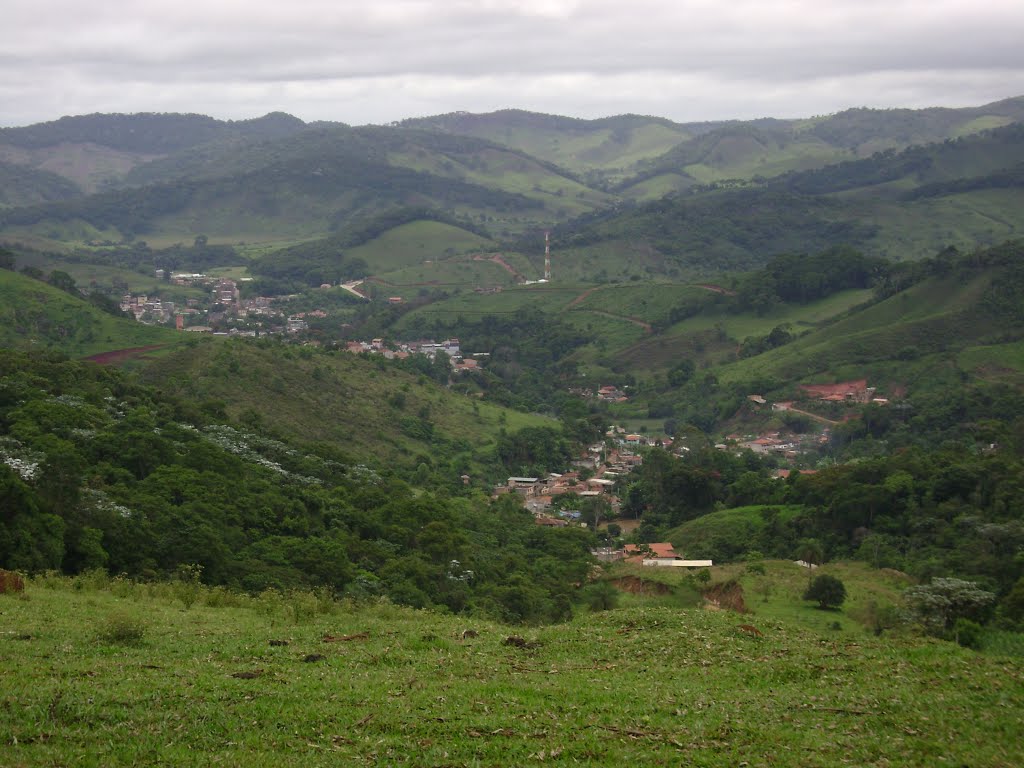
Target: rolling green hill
[(316, 181), (767, 148), (904, 205), (938, 316), (647, 156), (607, 147), (34, 315), (411, 244), (95, 151), (171, 178)]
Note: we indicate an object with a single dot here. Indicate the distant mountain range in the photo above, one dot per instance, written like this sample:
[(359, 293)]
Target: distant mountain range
[(624, 195)]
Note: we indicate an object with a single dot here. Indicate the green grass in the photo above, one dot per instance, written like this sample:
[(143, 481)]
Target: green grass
[(35, 315), (657, 187), (340, 398), (414, 243), (930, 316), (459, 271), (967, 221), (742, 325), (548, 298), (613, 333), (649, 301), (642, 685), (1003, 361)]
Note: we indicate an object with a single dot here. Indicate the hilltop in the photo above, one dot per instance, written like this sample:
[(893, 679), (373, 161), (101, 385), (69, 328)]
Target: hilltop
[(276, 182)]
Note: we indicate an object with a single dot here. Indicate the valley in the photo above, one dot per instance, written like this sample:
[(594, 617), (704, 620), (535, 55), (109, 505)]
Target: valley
[(296, 405)]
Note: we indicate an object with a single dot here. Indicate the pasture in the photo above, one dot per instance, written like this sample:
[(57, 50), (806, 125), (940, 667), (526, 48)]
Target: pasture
[(107, 672)]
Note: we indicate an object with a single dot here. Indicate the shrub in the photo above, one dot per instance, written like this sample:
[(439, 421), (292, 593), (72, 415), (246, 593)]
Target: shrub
[(93, 580), (302, 605), (938, 606), (187, 585), (968, 633), (121, 628), (601, 596)]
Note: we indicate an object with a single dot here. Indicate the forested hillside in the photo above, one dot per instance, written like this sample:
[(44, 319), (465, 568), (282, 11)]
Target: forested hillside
[(901, 205), (97, 471)]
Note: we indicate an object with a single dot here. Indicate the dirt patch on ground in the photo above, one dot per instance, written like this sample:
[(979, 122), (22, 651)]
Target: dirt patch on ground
[(119, 356), (637, 586), (727, 595)]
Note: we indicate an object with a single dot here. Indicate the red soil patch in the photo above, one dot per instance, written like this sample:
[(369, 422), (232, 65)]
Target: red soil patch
[(118, 356), (638, 586), (579, 299), (728, 595), (716, 289)]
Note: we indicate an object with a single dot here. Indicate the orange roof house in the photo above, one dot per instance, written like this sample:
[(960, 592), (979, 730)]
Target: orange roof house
[(637, 553)]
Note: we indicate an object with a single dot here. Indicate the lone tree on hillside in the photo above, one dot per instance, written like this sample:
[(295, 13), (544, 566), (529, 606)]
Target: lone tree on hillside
[(827, 590)]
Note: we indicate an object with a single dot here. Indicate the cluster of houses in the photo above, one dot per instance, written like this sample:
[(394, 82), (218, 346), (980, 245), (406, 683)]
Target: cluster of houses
[(223, 313), (623, 437), (147, 310), (606, 394), (538, 493), (850, 392), (221, 309), (460, 361), (658, 554)]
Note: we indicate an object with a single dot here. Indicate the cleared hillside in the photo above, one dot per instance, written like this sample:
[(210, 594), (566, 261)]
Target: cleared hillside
[(34, 315), (360, 404), (940, 315)]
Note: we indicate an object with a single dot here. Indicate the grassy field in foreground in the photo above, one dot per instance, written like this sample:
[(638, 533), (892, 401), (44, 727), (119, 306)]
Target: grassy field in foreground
[(101, 673)]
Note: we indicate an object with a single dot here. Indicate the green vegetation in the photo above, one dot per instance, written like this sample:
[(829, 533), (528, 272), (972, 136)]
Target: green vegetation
[(35, 315), (98, 472), (411, 244), (827, 591), (285, 489), (20, 185), (397, 684), (343, 399)]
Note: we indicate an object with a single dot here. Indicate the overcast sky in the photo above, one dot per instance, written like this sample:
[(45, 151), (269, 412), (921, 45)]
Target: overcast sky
[(381, 60)]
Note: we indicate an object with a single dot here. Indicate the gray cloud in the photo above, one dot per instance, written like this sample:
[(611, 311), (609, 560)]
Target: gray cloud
[(389, 59)]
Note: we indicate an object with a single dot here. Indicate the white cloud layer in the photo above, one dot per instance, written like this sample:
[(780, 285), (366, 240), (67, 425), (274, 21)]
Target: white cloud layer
[(388, 59)]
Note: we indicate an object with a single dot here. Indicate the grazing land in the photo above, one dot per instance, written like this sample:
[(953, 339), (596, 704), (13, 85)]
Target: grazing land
[(108, 672)]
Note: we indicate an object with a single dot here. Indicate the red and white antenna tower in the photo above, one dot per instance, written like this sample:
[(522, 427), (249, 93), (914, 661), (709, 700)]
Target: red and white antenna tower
[(547, 255)]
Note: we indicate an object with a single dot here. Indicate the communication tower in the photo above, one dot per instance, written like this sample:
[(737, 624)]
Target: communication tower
[(547, 255)]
